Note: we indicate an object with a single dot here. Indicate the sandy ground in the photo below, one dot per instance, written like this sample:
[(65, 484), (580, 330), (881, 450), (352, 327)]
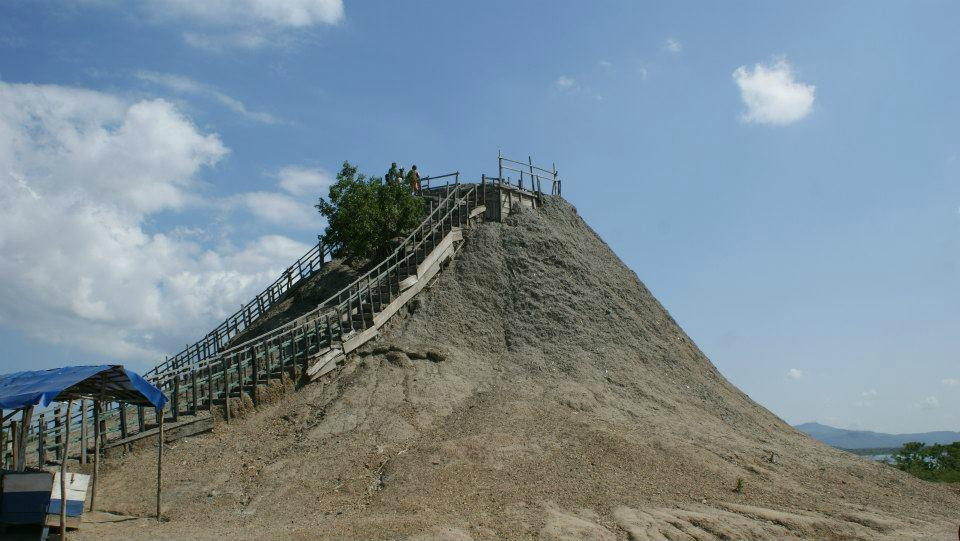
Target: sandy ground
[(536, 390)]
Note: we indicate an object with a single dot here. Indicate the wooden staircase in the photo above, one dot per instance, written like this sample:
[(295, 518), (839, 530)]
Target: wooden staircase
[(214, 378)]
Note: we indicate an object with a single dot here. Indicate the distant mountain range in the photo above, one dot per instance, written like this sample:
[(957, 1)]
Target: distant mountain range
[(864, 439)]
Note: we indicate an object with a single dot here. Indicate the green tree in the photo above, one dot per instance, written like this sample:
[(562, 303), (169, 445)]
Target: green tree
[(931, 462), (365, 215)]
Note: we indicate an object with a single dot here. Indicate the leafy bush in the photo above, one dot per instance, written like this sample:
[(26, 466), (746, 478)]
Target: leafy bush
[(931, 462), (365, 216)]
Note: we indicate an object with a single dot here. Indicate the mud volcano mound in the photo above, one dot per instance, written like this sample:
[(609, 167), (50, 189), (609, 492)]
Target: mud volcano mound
[(537, 389)]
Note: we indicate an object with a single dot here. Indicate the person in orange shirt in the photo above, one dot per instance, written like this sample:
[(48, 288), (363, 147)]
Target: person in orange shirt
[(413, 179)]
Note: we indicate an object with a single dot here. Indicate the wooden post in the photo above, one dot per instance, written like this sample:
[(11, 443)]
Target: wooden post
[(267, 359), (103, 426), (175, 402), (96, 452), (122, 408), (25, 420), (83, 431), (209, 386), (193, 391), (141, 419), (65, 450), (226, 389), (241, 378), (339, 324), (500, 199), (58, 431), (254, 376), (14, 447), (293, 358), (159, 461), (41, 442), (4, 463), (555, 190), (306, 346), (530, 164)]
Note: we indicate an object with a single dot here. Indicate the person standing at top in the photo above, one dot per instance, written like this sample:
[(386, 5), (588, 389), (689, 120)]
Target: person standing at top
[(413, 178), (393, 175)]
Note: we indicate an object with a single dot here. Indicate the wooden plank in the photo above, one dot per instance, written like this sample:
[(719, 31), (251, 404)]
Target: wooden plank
[(186, 427), (324, 363)]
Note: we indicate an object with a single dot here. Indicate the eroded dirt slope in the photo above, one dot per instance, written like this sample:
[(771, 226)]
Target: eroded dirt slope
[(537, 389)]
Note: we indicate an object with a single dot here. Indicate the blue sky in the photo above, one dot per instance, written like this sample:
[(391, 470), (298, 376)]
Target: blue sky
[(785, 177)]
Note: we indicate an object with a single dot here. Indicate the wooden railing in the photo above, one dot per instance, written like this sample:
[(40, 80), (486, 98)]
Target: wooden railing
[(220, 336), (282, 353), (429, 183), (214, 372), (534, 174)]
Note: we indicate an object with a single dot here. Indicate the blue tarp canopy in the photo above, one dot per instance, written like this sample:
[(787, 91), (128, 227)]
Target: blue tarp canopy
[(110, 382)]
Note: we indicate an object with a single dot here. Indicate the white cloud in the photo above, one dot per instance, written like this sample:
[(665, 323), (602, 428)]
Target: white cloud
[(866, 399), (673, 46), (281, 209), (293, 209), (772, 95), (568, 85), (302, 181), (951, 382), (930, 402), (606, 64), (280, 13), (246, 24), (794, 373), (218, 42), (565, 83), (82, 260), (185, 85)]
